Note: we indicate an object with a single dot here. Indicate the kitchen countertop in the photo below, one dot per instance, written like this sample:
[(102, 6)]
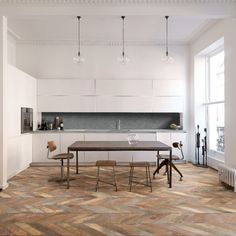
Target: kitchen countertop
[(111, 131)]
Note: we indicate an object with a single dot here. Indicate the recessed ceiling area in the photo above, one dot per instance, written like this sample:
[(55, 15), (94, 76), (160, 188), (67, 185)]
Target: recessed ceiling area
[(146, 29)]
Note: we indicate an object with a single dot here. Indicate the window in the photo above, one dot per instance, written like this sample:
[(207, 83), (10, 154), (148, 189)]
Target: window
[(215, 102)]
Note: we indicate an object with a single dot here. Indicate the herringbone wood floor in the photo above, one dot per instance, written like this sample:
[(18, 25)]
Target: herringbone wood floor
[(198, 205)]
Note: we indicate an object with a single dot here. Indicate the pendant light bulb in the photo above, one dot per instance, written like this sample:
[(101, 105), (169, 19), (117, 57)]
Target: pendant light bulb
[(78, 58), (167, 58), (123, 59)]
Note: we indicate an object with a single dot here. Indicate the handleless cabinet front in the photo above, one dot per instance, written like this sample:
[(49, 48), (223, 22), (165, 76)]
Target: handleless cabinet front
[(40, 146)]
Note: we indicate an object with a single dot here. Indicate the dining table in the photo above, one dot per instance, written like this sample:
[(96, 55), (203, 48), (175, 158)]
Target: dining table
[(112, 146)]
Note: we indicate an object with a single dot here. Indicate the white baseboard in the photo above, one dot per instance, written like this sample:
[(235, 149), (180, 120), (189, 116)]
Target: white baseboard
[(3, 187), (18, 171), (214, 163)]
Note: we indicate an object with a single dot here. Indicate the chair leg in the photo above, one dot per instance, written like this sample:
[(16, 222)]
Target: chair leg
[(131, 177), (147, 180), (181, 176), (163, 163), (158, 161), (150, 181), (97, 179), (167, 171), (114, 178), (62, 170)]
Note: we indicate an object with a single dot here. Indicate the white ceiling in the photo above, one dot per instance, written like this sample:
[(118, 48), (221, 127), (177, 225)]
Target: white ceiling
[(95, 28)]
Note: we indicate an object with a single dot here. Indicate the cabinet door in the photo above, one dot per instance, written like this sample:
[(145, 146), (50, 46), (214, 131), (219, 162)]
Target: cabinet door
[(168, 87), (66, 104), (65, 87), (145, 155), (123, 104), (177, 137), (40, 146), (119, 156), (94, 156), (164, 138), (124, 87), (67, 139), (168, 104)]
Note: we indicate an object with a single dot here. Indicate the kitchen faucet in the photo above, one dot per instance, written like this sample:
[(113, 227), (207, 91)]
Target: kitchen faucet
[(118, 125)]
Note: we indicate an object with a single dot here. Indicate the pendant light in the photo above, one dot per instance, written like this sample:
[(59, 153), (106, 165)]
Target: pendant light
[(167, 58), (124, 59), (78, 58)]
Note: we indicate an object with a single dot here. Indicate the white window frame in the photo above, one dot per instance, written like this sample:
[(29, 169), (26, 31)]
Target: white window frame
[(212, 153)]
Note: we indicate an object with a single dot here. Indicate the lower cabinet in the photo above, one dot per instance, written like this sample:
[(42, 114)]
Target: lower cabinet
[(40, 146), (169, 138), (66, 139), (145, 155), (120, 156), (63, 140), (94, 156)]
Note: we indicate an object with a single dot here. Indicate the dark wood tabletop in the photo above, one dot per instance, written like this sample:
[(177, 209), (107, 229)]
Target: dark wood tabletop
[(118, 146)]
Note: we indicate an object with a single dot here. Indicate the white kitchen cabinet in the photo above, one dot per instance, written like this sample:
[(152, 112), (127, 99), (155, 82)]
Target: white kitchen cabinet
[(65, 87), (123, 104), (177, 137), (67, 139), (145, 155), (124, 87), (119, 156), (167, 87), (66, 104), (169, 138), (168, 104), (164, 137), (40, 146), (94, 156)]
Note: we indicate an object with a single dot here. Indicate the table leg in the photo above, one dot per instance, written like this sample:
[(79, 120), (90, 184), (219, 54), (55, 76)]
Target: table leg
[(77, 162), (68, 171), (170, 170)]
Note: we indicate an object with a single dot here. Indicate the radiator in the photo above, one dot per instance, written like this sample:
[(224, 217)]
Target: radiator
[(227, 175)]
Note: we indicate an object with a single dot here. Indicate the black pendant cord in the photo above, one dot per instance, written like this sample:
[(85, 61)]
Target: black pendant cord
[(78, 17), (167, 49), (123, 36)]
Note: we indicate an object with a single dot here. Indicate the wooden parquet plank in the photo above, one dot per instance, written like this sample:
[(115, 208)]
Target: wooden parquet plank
[(199, 205)]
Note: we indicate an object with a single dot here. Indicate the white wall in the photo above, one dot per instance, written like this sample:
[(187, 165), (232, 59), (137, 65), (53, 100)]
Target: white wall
[(55, 61), (224, 29), (21, 92), (3, 107), (11, 49)]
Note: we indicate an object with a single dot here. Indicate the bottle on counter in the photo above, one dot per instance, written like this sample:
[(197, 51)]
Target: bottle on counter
[(57, 122), (61, 125)]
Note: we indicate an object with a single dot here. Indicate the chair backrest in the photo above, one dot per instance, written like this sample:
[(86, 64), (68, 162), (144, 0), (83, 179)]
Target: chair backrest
[(51, 147), (179, 145)]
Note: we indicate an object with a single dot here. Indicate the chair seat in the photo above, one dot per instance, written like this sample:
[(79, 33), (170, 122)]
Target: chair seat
[(63, 156), (139, 164), (105, 163), (174, 157)]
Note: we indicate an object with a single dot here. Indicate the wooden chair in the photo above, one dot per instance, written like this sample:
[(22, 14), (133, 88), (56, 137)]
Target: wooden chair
[(106, 163), (62, 156), (166, 160), (148, 181)]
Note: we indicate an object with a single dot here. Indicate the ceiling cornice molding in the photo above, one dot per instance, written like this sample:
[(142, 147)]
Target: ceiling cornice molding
[(93, 43), (115, 2)]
